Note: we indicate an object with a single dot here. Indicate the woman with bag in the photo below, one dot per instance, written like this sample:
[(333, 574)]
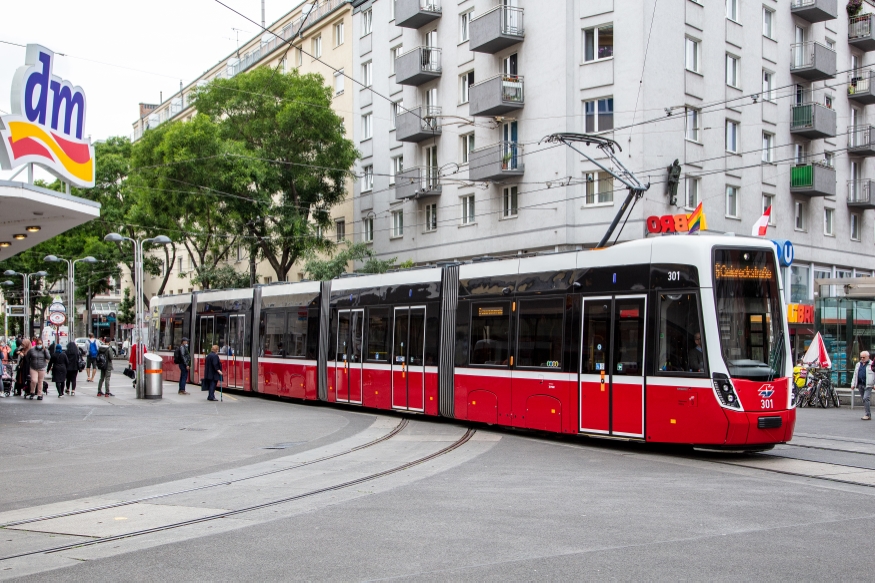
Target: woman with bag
[(22, 371), (58, 368), (75, 365), (39, 361)]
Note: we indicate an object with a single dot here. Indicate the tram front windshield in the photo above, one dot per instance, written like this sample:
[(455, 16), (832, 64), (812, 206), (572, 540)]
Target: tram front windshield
[(749, 313)]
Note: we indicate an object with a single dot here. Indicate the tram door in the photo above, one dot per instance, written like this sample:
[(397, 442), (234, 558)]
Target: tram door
[(233, 359), (408, 359), (205, 342), (612, 366), (348, 366)]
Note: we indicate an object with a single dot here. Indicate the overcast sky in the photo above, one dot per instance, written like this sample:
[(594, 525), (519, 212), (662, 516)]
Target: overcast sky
[(121, 52)]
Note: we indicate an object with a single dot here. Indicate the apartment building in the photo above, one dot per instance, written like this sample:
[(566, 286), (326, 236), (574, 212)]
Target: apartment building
[(763, 103), (320, 32)]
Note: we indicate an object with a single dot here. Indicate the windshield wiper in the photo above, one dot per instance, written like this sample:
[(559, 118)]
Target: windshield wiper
[(774, 354)]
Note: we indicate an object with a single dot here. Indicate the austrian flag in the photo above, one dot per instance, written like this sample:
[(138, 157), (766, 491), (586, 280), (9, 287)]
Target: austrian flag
[(762, 225)]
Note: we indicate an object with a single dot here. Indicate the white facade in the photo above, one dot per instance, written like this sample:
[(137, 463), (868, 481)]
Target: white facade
[(630, 65)]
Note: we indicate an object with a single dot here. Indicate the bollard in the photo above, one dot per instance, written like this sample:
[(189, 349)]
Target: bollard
[(154, 376)]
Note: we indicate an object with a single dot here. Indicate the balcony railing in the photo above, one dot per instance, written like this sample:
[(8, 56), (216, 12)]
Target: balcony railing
[(417, 66), (814, 10), (813, 120), (496, 162), (861, 33), (812, 61), (813, 179), (497, 29), (418, 182), (497, 95), (416, 13), (861, 140), (860, 192), (417, 124)]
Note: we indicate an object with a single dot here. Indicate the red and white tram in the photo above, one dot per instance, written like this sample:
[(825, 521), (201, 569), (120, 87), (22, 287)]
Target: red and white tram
[(672, 339)]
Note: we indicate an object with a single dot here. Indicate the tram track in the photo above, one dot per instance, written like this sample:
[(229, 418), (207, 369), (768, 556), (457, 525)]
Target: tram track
[(395, 431), (229, 513)]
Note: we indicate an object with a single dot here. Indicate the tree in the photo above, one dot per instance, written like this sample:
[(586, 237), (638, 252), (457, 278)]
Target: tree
[(324, 269), (223, 277), (126, 309), (285, 122)]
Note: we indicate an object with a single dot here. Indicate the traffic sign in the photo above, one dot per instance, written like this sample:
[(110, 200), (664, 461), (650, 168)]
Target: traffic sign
[(57, 318)]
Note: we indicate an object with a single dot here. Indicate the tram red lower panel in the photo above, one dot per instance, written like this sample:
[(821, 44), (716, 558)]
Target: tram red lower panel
[(288, 378)]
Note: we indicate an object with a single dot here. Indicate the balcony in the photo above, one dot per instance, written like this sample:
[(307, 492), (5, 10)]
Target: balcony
[(497, 162), (860, 87), (812, 61), (418, 182), (496, 96), (815, 179), (860, 32), (814, 10), (861, 141), (813, 121), (860, 194), (497, 29), (418, 124), (416, 13), (418, 66)]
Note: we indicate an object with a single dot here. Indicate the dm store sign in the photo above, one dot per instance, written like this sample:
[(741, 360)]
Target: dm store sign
[(47, 122)]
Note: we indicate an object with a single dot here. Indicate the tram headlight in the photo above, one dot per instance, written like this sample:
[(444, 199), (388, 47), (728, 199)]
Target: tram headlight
[(726, 392)]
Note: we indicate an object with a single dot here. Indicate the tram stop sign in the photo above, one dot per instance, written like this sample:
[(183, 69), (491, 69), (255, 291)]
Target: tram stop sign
[(785, 252)]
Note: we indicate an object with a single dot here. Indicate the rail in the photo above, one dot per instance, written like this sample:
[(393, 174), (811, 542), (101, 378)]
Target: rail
[(802, 54), (859, 26), (859, 191), (511, 19), (803, 176)]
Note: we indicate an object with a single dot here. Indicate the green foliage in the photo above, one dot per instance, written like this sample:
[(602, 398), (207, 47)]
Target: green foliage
[(223, 277), (299, 160), (407, 264), (325, 269), (126, 309)]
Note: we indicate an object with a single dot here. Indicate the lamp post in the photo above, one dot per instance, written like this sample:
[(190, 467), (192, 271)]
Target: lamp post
[(71, 282), (26, 277), (138, 281)]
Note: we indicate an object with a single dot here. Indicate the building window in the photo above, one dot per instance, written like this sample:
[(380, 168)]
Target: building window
[(768, 19), (598, 43), (267, 279), (799, 216), (394, 53), (179, 262), (367, 22), (338, 82), (732, 10), (241, 255), (338, 34), (465, 82), (732, 202), (509, 206), (299, 56), (799, 284), (599, 188), (367, 73), (367, 178), (391, 10), (732, 71), (368, 230), (768, 86), (855, 227), (340, 230), (398, 223), (692, 124), (768, 200), (397, 109), (830, 44), (367, 126), (829, 222), (768, 147), (692, 49), (598, 115), (467, 209), (317, 47), (431, 217), (464, 25), (467, 147), (731, 136), (396, 167), (692, 200)]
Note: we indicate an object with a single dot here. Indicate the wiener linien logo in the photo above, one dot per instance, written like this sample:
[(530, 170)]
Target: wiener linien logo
[(47, 122)]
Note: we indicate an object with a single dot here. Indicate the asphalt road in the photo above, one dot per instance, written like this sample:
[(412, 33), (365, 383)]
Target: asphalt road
[(504, 506)]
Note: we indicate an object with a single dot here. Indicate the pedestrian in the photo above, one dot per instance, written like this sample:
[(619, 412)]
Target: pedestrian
[(39, 361), (104, 364), (863, 380), (132, 358), (125, 346), (182, 357), (22, 371), (212, 373), (58, 368), (91, 348), (4, 352), (73, 360)]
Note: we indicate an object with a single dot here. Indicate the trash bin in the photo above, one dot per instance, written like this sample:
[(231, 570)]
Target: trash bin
[(154, 376)]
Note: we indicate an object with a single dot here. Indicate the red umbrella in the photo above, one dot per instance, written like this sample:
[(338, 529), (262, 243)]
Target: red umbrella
[(816, 355)]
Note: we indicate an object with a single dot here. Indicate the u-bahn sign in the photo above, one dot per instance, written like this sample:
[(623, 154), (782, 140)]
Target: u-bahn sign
[(47, 123)]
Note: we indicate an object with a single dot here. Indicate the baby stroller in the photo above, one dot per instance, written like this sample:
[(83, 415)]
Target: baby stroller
[(7, 379)]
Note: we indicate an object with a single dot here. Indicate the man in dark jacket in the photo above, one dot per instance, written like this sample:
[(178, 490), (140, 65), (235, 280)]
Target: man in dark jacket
[(212, 373), (182, 357)]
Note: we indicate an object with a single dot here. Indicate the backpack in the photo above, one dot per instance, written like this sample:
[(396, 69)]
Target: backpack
[(92, 348), (101, 361), (177, 357)]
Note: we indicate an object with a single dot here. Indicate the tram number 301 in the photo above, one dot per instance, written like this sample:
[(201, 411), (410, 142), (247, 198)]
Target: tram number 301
[(766, 404), (674, 275)]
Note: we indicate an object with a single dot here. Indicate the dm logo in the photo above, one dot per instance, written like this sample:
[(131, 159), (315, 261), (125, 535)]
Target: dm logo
[(766, 391), (47, 122)]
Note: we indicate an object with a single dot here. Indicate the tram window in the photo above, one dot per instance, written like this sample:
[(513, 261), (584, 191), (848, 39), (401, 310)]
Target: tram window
[(628, 355), (297, 346), (162, 335), (378, 334), (176, 335), (596, 335), (274, 331), (539, 339), (222, 334), (490, 327), (463, 314), (681, 348)]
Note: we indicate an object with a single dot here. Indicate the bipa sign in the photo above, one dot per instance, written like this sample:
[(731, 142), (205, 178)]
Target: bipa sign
[(47, 122)]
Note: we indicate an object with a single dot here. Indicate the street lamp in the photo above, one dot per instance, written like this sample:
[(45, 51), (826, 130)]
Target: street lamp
[(26, 277), (138, 290), (71, 282)]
